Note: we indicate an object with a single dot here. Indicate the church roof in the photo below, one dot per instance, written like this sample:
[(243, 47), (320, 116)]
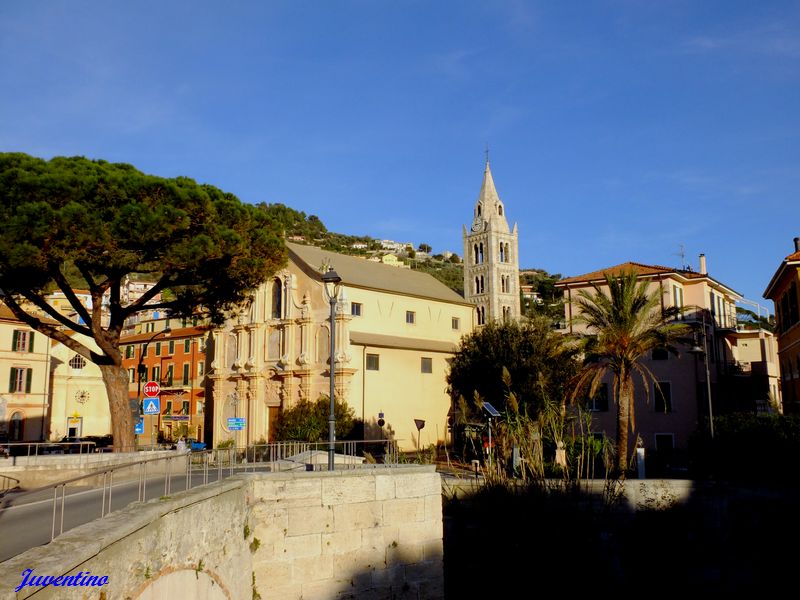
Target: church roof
[(358, 272)]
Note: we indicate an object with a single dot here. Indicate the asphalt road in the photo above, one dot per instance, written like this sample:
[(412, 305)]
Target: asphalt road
[(26, 520)]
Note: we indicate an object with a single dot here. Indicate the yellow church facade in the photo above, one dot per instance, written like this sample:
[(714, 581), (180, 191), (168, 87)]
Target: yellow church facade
[(395, 331)]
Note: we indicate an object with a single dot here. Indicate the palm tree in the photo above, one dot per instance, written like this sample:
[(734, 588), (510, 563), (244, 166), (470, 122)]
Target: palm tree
[(625, 325)]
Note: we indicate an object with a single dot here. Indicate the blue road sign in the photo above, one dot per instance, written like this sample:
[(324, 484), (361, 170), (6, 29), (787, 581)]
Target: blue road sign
[(236, 423), (139, 427), (152, 406)]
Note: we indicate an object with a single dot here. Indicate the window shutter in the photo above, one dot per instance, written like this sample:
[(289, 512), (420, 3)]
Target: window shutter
[(30, 342), (14, 340), (29, 377), (13, 376)]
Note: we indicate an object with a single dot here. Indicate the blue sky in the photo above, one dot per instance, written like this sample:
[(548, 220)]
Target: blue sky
[(618, 130)]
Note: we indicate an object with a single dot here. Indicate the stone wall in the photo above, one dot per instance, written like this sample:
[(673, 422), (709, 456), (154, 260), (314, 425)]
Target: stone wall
[(374, 532)]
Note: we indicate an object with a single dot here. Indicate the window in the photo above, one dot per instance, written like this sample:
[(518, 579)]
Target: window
[(170, 374), (77, 362), (201, 368), (277, 296), (481, 315), (172, 346), (660, 354), (677, 298), (202, 344), (156, 373), (168, 408), (22, 341), (662, 395), (185, 407), (20, 380), (411, 317), (456, 323), (186, 373), (373, 362), (599, 402), (426, 365), (128, 351), (355, 309), (500, 209), (145, 350), (158, 348), (187, 346), (131, 375)]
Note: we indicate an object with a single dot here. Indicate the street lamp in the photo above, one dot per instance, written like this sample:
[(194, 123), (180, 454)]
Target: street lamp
[(142, 370), (333, 284), (697, 350)]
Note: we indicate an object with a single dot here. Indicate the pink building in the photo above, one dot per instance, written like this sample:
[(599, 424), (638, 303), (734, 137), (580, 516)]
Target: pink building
[(741, 362)]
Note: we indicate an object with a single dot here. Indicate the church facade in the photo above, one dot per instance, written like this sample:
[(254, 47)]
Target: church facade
[(395, 331), (491, 258)]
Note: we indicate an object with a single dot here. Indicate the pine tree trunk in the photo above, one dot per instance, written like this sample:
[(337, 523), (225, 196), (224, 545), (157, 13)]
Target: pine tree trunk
[(124, 411)]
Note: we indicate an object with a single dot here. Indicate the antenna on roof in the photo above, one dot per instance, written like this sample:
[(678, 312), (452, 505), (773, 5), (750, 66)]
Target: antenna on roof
[(682, 254)]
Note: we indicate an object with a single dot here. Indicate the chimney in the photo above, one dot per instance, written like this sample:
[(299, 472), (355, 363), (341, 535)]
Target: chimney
[(797, 244), (703, 270)]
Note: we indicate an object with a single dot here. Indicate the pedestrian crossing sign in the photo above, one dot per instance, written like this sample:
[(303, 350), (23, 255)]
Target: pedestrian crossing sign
[(152, 406)]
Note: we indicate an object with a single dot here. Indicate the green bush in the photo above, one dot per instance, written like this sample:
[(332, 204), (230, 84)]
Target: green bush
[(748, 448), (308, 421)]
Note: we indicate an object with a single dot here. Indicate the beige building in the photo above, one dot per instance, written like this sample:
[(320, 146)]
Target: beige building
[(395, 330), (491, 258), (78, 398), (24, 361), (742, 368), (784, 291)]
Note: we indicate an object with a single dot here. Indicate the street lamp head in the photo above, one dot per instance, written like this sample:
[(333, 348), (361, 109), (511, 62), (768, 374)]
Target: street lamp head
[(166, 330), (696, 349), (332, 282)]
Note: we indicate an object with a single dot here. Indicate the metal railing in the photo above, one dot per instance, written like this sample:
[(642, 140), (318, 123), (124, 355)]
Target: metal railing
[(196, 469)]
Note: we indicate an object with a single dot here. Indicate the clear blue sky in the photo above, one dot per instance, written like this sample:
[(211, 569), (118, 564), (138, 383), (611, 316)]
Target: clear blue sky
[(618, 130)]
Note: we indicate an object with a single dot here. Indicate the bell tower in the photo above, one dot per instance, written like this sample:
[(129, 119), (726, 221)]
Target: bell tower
[(491, 257)]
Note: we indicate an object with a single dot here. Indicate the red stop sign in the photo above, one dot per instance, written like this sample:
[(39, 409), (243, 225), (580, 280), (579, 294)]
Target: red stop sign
[(151, 388)]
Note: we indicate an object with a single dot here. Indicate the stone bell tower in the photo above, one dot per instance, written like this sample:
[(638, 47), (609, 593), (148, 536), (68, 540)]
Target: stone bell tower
[(491, 257)]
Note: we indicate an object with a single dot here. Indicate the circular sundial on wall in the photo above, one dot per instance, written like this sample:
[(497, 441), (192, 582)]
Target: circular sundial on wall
[(82, 396)]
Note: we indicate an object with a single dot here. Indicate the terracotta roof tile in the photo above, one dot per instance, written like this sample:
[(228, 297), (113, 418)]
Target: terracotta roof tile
[(627, 267)]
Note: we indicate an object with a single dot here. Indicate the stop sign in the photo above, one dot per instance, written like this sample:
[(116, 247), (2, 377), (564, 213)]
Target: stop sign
[(151, 388)]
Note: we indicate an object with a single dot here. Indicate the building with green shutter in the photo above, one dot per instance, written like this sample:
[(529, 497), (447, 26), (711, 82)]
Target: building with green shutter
[(24, 368)]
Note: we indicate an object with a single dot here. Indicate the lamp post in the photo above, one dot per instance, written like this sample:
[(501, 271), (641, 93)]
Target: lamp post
[(333, 284), (142, 370), (697, 350)]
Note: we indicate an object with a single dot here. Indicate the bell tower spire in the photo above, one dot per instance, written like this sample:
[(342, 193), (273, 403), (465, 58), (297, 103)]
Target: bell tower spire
[(491, 264)]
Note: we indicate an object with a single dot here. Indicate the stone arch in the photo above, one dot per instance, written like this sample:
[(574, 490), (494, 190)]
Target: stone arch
[(185, 583), (16, 427)]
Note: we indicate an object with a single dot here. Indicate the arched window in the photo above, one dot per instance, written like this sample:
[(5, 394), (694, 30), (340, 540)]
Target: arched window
[(481, 284), (508, 253), (477, 285), (277, 299), (503, 284), (502, 253), (475, 247), (481, 315), (479, 210), (481, 253), (77, 362), (16, 427), (500, 209)]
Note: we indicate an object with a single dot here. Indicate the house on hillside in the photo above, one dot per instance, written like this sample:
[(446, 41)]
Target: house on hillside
[(741, 363), (784, 291), (395, 331)]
